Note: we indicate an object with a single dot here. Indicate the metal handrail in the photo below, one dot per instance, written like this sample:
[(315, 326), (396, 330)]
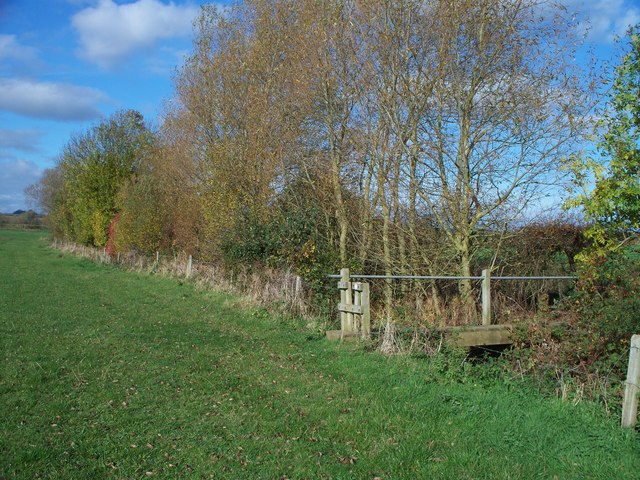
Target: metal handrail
[(453, 277)]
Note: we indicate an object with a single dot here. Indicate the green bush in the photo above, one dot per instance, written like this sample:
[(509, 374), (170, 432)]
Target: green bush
[(292, 237), (586, 356), (609, 304)]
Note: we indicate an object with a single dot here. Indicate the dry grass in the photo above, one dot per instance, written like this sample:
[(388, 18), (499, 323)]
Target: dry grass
[(267, 287)]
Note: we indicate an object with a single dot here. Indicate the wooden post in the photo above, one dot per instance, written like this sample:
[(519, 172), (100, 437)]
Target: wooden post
[(357, 301), (118, 257), (349, 303), (486, 297), (344, 294), (298, 292), (189, 266), (366, 311), (631, 389), (157, 258)]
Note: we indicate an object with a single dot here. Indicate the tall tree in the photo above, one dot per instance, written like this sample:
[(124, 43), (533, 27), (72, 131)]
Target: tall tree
[(243, 97), (506, 110)]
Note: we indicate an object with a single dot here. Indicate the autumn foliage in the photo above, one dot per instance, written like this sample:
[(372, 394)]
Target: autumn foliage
[(390, 137)]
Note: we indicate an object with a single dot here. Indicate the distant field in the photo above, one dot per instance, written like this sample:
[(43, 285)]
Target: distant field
[(23, 221), (109, 374)]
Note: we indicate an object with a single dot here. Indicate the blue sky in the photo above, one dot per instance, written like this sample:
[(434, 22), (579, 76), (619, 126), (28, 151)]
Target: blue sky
[(64, 64)]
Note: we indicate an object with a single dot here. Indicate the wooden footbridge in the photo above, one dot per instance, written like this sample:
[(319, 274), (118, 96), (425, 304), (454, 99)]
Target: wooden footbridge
[(355, 312), (465, 336)]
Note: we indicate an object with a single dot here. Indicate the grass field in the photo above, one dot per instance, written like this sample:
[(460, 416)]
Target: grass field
[(110, 374)]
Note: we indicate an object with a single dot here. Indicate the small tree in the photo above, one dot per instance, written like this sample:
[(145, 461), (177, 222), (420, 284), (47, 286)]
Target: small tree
[(94, 167), (610, 273), (613, 206)]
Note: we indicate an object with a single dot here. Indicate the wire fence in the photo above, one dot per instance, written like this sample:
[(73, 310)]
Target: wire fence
[(455, 277), (436, 299)]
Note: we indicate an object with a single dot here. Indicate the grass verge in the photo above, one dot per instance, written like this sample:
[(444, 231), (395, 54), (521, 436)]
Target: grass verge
[(111, 374)]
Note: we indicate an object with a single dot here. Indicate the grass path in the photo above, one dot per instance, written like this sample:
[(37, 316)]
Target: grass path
[(109, 374)]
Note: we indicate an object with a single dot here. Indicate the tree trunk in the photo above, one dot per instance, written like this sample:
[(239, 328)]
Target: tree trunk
[(465, 286), (341, 213)]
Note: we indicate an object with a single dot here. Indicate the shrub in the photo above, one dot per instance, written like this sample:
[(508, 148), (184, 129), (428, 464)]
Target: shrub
[(609, 303)]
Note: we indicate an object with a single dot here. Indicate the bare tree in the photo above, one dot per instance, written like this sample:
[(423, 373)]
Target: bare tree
[(508, 107)]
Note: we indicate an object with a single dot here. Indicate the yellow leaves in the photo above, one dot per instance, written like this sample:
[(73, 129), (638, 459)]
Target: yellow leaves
[(99, 224)]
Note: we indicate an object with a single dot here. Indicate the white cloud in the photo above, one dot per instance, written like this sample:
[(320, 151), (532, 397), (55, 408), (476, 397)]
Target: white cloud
[(16, 57), (110, 32), (18, 170), (605, 19), (628, 18), (15, 176), (25, 140), (53, 101), (10, 48)]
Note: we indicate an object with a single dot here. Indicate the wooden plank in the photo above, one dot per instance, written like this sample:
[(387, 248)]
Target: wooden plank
[(479, 336), (335, 335), (344, 279), (631, 389), (350, 308), (348, 328), (355, 286)]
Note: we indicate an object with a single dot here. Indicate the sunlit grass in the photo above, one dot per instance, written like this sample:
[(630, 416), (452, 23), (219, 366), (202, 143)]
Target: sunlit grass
[(112, 374)]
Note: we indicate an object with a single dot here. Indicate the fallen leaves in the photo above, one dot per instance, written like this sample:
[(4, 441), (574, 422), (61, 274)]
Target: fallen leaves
[(348, 460)]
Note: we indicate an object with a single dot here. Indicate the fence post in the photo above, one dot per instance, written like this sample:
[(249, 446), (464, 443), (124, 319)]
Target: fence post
[(157, 257), (630, 403), (357, 301), (189, 266), (366, 311), (486, 297), (350, 316), (345, 299), (298, 290)]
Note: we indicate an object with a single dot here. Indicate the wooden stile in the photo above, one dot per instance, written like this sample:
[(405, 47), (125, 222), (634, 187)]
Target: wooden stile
[(355, 318)]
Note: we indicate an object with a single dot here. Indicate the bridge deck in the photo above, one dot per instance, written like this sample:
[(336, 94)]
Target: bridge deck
[(479, 335), (465, 336)]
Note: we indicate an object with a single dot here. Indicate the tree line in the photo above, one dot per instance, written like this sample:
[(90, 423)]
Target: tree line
[(406, 137)]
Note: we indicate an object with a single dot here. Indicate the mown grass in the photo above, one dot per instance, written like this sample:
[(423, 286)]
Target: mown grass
[(110, 374)]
